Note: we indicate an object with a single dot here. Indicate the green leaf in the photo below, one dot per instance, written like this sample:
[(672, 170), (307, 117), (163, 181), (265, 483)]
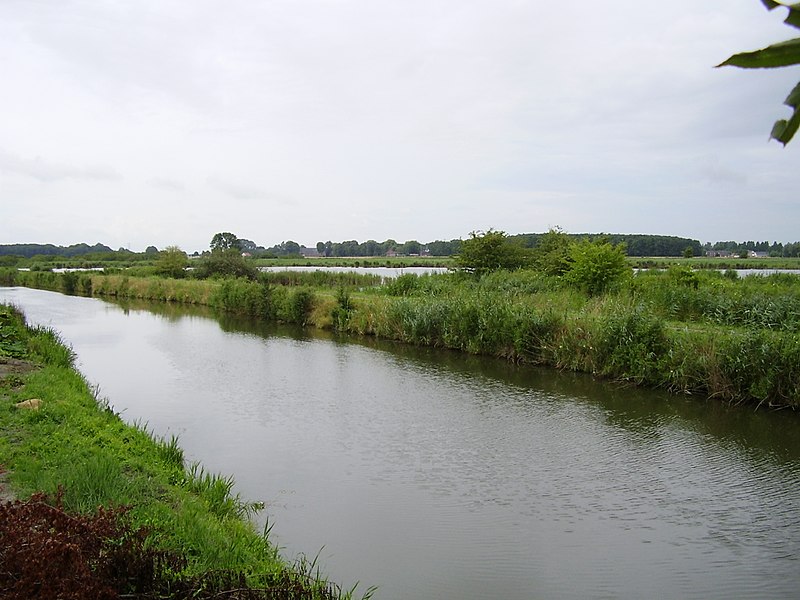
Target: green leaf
[(793, 99), (793, 18), (778, 55), (784, 130)]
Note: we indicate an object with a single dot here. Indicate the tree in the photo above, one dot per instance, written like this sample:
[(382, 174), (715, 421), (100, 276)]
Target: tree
[(321, 248), (172, 262), (247, 245), (490, 251), (225, 263), (597, 266), (781, 54), (411, 247), (290, 248), (151, 250), (224, 241), (551, 253), (688, 252)]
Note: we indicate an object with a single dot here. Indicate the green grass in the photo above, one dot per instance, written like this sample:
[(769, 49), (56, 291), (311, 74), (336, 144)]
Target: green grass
[(702, 262)]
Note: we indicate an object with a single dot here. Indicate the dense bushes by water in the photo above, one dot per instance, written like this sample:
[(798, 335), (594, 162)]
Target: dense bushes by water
[(702, 333)]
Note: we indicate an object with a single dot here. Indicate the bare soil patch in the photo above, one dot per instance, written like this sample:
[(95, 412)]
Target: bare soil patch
[(14, 366)]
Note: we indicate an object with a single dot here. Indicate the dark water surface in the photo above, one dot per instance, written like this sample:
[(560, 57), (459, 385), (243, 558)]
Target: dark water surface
[(437, 475)]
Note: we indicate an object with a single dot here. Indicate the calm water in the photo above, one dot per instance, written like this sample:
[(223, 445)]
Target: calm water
[(386, 272), (437, 475)]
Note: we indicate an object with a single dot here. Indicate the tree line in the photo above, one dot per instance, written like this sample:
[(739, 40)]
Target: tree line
[(30, 250), (635, 244), (775, 249)]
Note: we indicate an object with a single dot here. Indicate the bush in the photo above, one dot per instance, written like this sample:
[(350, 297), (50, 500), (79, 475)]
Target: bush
[(631, 344), (299, 304), (225, 263), (597, 266), (244, 297), (490, 251), (47, 553), (403, 285)]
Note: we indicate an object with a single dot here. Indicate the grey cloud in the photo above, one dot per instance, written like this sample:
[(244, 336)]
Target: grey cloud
[(236, 190), (48, 172), (167, 184), (714, 172)]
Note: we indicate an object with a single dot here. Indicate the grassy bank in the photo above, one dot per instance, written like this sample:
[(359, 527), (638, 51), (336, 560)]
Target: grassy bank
[(706, 333), (74, 449), (718, 263)]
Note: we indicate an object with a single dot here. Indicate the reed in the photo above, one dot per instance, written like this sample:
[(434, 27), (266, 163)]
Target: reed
[(683, 330)]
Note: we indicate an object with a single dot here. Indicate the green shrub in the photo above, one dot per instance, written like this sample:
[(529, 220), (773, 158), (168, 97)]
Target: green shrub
[(597, 266), (300, 302), (340, 315), (8, 277), (403, 285), (630, 344)]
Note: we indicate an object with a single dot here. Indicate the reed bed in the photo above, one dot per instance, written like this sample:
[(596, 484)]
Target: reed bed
[(705, 333)]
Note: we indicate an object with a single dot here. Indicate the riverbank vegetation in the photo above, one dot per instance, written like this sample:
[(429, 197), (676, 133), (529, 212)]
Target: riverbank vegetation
[(165, 529), (567, 304)]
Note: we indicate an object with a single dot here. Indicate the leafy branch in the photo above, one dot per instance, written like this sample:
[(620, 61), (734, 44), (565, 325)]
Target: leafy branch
[(781, 54)]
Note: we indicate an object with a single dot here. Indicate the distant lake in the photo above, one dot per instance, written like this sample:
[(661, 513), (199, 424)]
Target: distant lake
[(388, 272)]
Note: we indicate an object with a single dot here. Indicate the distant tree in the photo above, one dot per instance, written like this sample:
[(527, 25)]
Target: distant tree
[(247, 245), (411, 247), (290, 248), (597, 266), (224, 241), (172, 262), (370, 248), (151, 250), (225, 263), (321, 248), (386, 246), (490, 251), (551, 253), (442, 248), (346, 248), (688, 252), (778, 55)]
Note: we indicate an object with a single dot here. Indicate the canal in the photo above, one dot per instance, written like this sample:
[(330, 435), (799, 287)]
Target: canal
[(434, 474)]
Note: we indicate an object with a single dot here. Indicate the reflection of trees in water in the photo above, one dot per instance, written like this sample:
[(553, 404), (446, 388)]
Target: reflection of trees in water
[(636, 410)]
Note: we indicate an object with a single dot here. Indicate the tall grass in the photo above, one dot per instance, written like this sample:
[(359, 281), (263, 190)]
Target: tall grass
[(757, 301), (692, 332)]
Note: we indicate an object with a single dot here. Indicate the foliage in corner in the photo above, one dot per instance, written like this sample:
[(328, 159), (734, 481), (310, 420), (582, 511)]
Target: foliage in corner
[(777, 55)]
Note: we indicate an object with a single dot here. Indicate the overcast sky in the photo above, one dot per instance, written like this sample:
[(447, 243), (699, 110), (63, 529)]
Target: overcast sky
[(161, 122)]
